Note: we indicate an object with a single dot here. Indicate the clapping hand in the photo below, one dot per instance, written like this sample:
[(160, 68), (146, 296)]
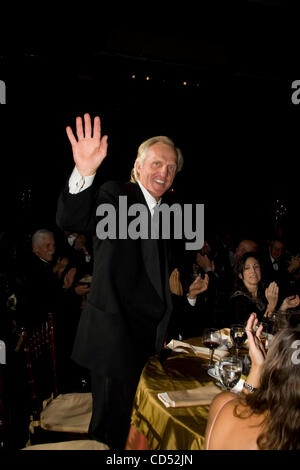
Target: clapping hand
[(290, 302), (69, 278), (256, 349), (198, 286), (60, 265), (90, 150), (82, 289), (175, 284), (271, 294)]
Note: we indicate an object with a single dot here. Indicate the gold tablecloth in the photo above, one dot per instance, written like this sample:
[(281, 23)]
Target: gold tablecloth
[(181, 428)]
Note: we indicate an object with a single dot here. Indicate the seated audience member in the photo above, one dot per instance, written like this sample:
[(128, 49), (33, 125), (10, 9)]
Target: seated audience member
[(204, 265), (223, 262), (244, 246), (187, 320), (48, 287), (40, 288), (82, 256), (275, 265), (226, 282), (294, 273), (266, 414), (251, 295), (76, 247)]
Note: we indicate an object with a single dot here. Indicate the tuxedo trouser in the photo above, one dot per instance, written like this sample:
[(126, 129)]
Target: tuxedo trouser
[(112, 407)]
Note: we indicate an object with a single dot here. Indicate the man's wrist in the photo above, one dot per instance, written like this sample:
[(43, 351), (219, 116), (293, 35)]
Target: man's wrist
[(86, 172), (78, 183), (191, 301)]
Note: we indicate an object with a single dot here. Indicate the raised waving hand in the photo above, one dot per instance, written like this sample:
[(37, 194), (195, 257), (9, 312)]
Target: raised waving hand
[(89, 149)]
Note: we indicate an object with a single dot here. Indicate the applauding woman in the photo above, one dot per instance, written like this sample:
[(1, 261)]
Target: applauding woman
[(251, 295), (266, 415)]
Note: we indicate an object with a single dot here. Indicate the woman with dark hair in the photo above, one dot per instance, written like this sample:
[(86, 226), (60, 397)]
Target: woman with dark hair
[(250, 293), (266, 415)]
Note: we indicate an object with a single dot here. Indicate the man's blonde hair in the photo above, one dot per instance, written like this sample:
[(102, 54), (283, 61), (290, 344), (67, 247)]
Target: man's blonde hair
[(143, 151)]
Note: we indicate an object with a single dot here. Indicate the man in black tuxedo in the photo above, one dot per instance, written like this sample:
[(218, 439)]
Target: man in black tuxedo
[(275, 267), (39, 291), (129, 305)]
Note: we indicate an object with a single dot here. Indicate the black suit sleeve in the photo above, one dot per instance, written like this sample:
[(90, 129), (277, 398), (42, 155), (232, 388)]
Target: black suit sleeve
[(76, 212)]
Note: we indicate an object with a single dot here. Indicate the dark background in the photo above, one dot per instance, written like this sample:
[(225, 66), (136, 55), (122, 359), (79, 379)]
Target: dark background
[(233, 119)]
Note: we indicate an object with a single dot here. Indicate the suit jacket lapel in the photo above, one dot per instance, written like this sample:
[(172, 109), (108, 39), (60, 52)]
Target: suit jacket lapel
[(149, 247)]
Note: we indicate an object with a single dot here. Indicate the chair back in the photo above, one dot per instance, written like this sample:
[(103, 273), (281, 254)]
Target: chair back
[(40, 361)]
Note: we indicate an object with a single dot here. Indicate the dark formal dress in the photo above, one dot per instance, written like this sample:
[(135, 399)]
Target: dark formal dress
[(242, 305), (127, 311)]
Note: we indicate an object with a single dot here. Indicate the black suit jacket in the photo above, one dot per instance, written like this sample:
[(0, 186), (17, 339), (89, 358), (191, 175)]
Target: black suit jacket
[(129, 305), (38, 294), (280, 276)]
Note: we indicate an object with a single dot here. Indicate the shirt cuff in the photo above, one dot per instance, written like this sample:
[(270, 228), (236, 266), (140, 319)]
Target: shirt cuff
[(192, 302), (78, 183)]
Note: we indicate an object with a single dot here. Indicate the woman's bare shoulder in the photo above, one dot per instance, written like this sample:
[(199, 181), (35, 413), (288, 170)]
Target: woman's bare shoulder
[(230, 431), (221, 399)]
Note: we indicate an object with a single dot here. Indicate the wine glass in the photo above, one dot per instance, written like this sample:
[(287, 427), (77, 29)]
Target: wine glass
[(230, 371), (264, 334), (211, 339), (238, 336)]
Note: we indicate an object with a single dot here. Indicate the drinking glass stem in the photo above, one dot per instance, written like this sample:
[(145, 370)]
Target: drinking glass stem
[(237, 352), (211, 357)]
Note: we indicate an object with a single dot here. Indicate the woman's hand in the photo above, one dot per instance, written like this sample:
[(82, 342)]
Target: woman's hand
[(90, 150), (290, 302), (271, 294), (256, 349), (69, 278)]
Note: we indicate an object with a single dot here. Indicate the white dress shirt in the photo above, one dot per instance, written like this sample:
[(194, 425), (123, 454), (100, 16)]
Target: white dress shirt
[(275, 263)]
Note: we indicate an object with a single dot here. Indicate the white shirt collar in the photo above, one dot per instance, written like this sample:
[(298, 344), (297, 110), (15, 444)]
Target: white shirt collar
[(150, 200)]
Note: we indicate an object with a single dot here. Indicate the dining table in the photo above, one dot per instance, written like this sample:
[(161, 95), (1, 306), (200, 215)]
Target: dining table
[(155, 426)]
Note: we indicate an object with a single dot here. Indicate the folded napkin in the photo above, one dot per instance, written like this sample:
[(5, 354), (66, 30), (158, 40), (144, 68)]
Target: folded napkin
[(180, 346), (225, 332), (194, 397), (226, 338)]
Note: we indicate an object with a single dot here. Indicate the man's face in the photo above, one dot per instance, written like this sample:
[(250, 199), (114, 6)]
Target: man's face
[(276, 249), (46, 248), (245, 246), (158, 170)]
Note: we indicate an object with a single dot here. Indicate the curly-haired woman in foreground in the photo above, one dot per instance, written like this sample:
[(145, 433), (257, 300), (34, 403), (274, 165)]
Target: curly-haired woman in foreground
[(266, 415)]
